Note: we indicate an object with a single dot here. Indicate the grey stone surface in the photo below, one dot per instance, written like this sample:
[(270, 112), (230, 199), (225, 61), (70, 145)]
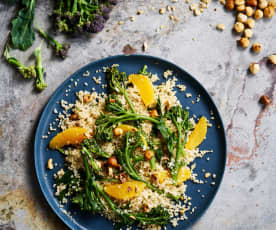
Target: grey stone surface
[(246, 199)]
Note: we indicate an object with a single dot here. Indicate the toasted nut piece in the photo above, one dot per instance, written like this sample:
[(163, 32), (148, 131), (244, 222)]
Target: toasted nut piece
[(74, 117), (250, 23), (118, 131), (248, 33), (249, 11), (265, 100), (272, 59), (269, 12), (262, 4), (256, 47), (239, 2), (241, 18), (240, 8), (162, 11), (139, 12), (145, 46), (258, 14), (253, 3), (230, 4), (244, 42), (112, 161), (254, 68), (154, 113), (272, 3), (112, 100), (87, 98), (239, 27), (50, 164), (220, 27), (148, 154)]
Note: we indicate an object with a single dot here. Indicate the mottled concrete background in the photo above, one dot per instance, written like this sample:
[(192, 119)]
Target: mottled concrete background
[(246, 199)]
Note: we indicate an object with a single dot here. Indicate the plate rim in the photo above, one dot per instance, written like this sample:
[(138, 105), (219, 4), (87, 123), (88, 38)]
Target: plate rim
[(62, 216)]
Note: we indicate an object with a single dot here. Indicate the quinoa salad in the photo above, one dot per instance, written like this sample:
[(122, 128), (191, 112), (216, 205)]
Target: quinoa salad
[(129, 153)]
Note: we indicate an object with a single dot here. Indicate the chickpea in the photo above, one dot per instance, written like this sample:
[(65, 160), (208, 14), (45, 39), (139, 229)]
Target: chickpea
[(241, 18), (230, 4), (272, 59), (87, 98), (239, 2), (118, 132), (253, 3), (244, 42), (148, 154), (154, 113), (254, 68), (250, 23), (112, 100), (112, 161), (258, 14), (240, 8), (74, 117), (272, 3), (265, 100), (248, 33), (262, 4), (269, 12), (256, 47), (249, 11), (239, 27), (161, 11)]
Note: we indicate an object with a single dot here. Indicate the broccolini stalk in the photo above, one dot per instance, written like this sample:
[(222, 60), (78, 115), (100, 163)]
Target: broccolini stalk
[(39, 83), (144, 71), (61, 50), (26, 71)]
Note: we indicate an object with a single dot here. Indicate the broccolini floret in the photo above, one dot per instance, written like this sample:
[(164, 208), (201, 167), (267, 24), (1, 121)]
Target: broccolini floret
[(39, 82)]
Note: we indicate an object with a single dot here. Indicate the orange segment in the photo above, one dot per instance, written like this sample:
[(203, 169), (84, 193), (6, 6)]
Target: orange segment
[(70, 136), (144, 87), (198, 134), (183, 175), (162, 175), (126, 190)]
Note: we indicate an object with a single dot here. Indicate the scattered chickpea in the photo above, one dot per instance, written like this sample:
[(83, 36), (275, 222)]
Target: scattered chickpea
[(239, 27), (132, 18), (253, 3), (50, 164), (87, 98), (244, 42), (272, 3), (148, 154), (258, 14), (154, 113), (240, 8), (241, 18), (161, 11), (249, 11), (118, 131), (74, 117), (139, 12), (254, 68), (272, 59), (262, 4), (197, 12), (220, 27), (230, 4), (239, 2), (112, 161), (248, 33), (269, 12), (265, 100), (112, 100), (250, 23), (256, 47)]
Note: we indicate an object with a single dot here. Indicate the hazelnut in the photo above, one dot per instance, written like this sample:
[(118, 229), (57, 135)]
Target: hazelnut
[(241, 18), (254, 68), (154, 113), (244, 42), (220, 27), (269, 12), (256, 47), (239, 27), (118, 131), (272, 59), (272, 3), (258, 14), (253, 3), (248, 33), (112, 161), (265, 100), (250, 23), (262, 4), (87, 98), (249, 11), (230, 4), (148, 154)]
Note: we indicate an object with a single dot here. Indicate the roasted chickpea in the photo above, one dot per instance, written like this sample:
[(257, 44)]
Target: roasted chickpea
[(148, 154), (249, 11), (154, 113), (230, 4), (239, 27), (256, 47), (87, 98), (248, 33), (272, 59), (258, 14), (244, 42), (269, 12), (265, 100), (262, 4), (241, 18), (112, 161), (254, 68), (250, 23), (118, 131)]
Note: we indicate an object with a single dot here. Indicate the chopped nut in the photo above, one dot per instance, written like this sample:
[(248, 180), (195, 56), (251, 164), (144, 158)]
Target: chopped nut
[(241, 18), (254, 68), (87, 98), (161, 11), (74, 117), (269, 12), (139, 12), (252, 3), (148, 154), (112, 161), (118, 131), (197, 12), (250, 23), (240, 8), (230, 4), (258, 14), (272, 59), (132, 18), (265, 100), (171, 17), (154, 113), (50, 164), (244, 42), (207, 175), (220, 27), (172, 8), (145, 46), (248, 33), (239, 27), (262, 4), (272, 3), (249, 11), (256, 47)]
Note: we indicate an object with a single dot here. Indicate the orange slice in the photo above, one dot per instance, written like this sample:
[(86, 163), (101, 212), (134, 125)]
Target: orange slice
[(198, 134), (70, 136), (183, 175), (126, 190), (144, 87)]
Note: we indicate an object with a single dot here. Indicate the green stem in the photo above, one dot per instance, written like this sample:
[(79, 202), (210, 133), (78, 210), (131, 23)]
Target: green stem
[(48, 38), (152, 163), (177, 155), (129, 102)]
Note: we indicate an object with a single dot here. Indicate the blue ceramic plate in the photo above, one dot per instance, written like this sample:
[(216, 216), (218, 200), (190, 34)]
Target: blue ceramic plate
[(211, 162)]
